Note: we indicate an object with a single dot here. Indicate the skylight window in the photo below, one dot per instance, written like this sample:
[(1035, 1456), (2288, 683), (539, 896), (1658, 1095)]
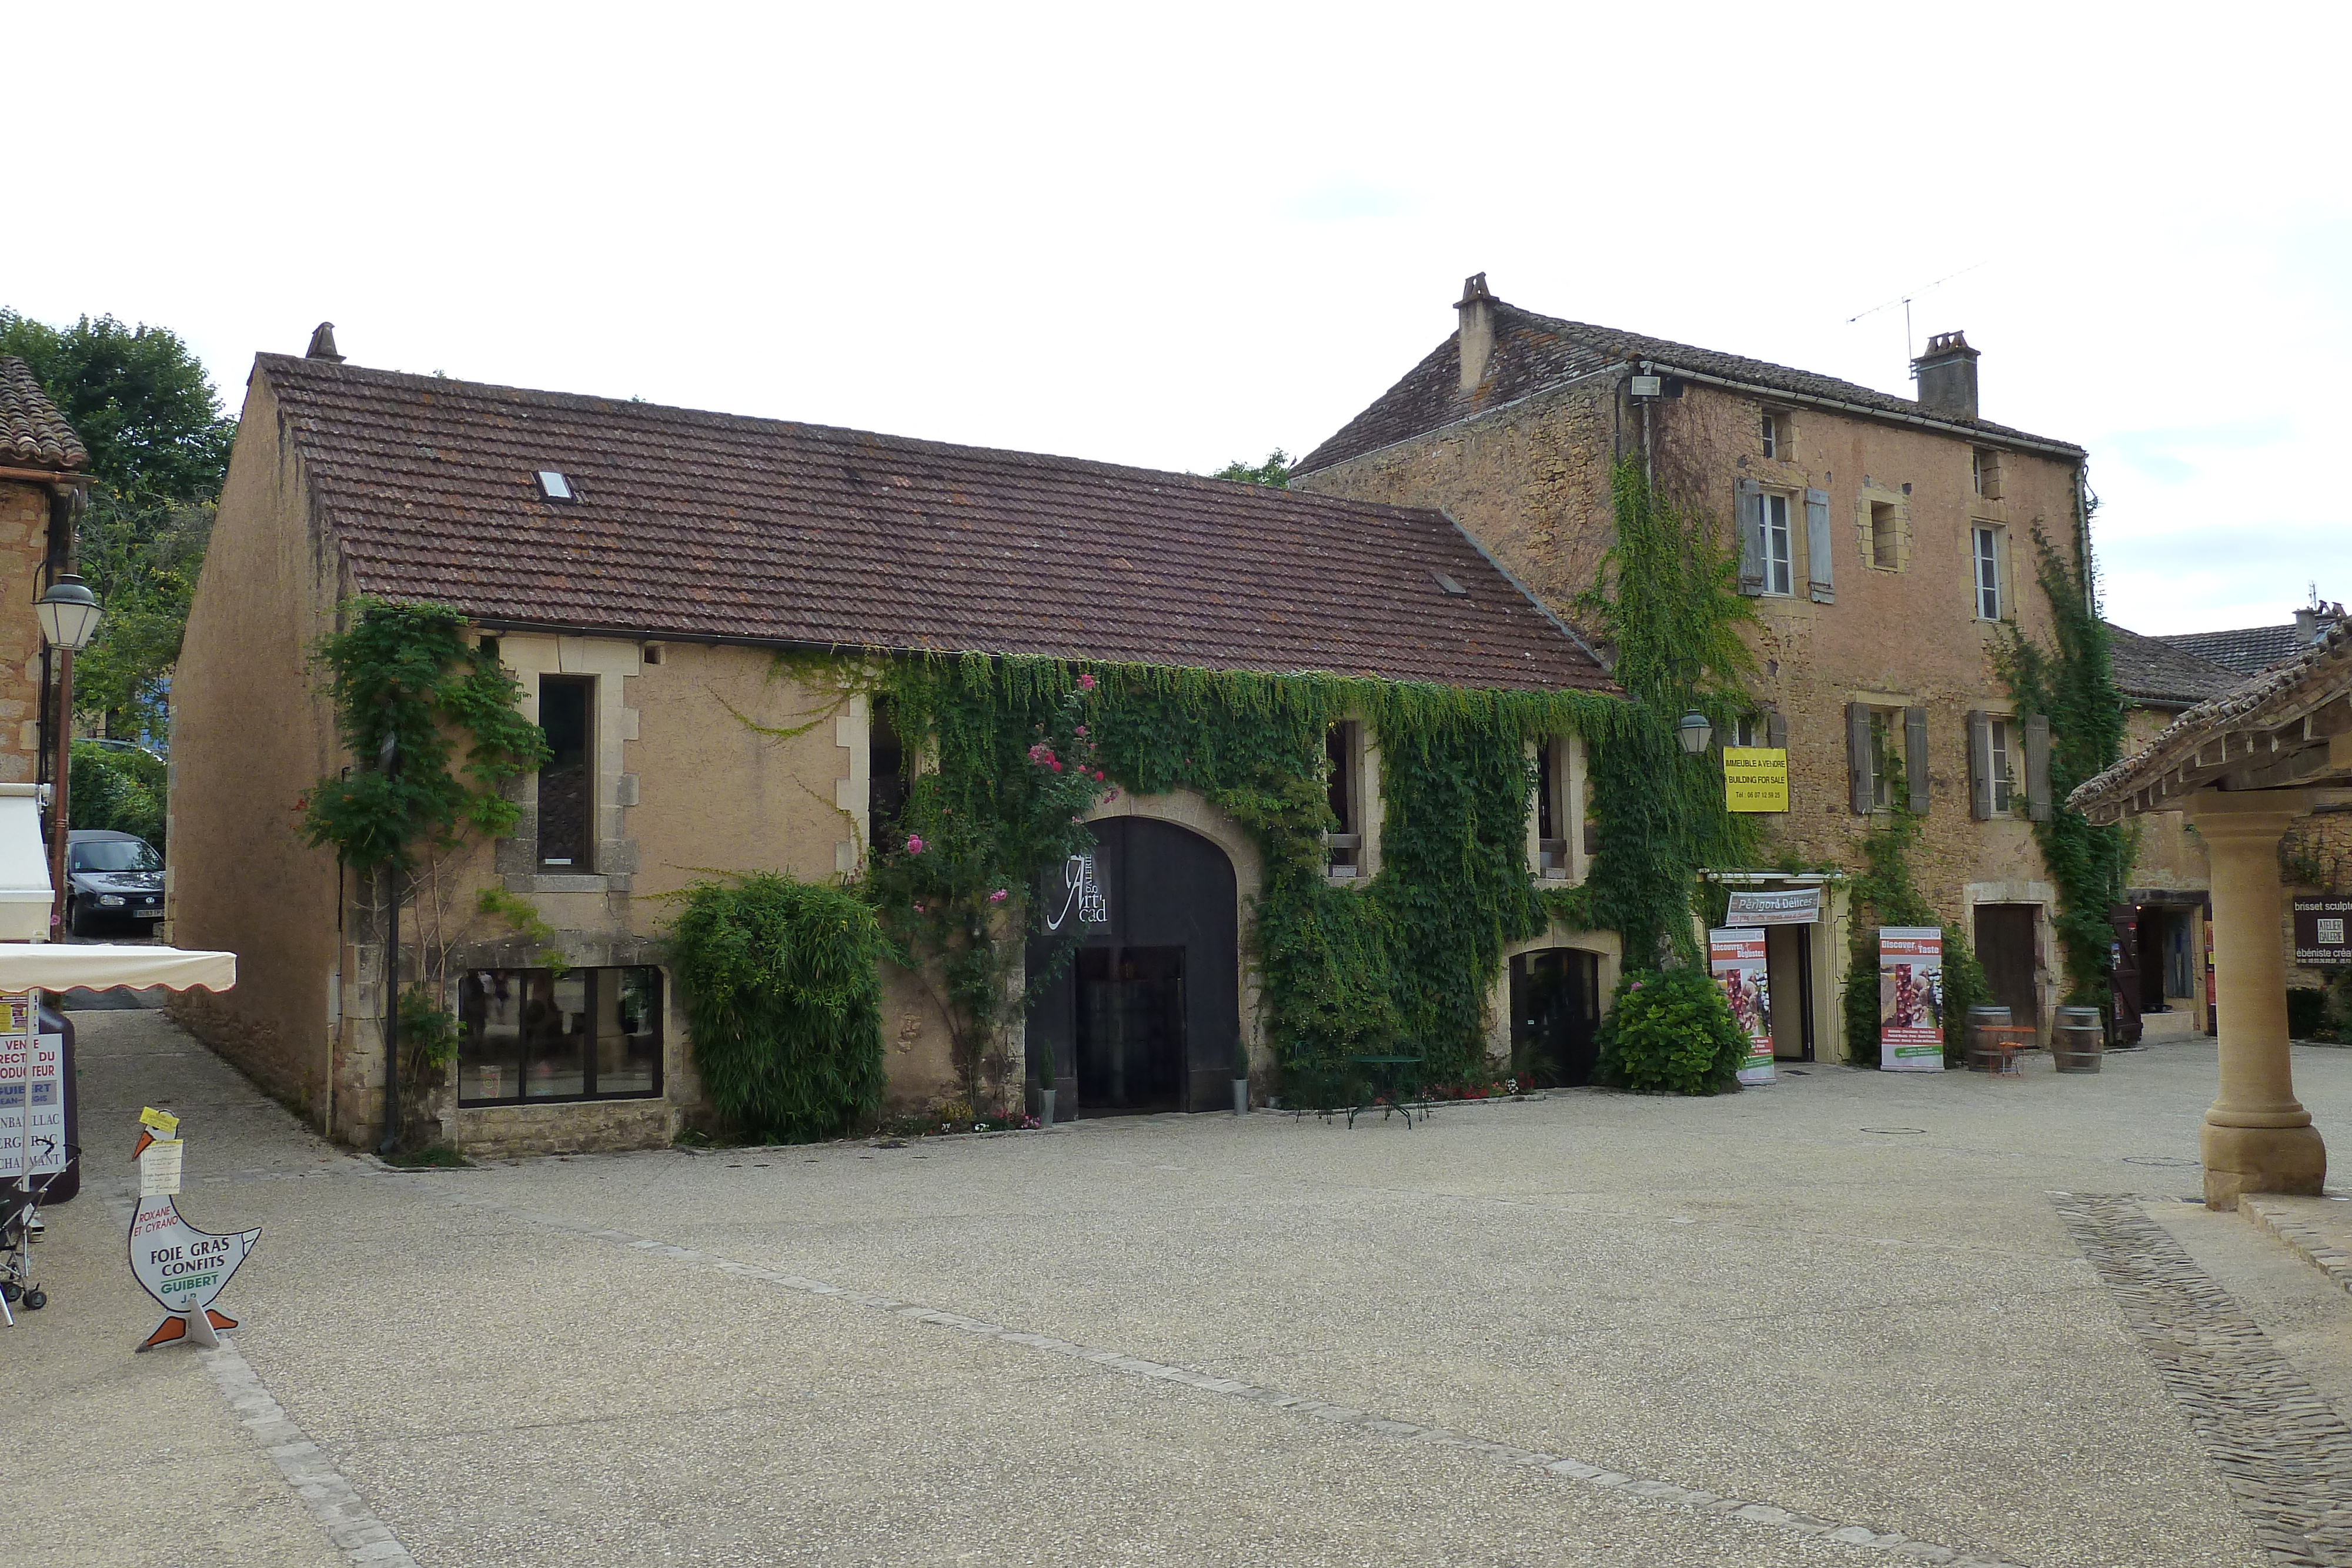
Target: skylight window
[(1451, 587), (554, 486)]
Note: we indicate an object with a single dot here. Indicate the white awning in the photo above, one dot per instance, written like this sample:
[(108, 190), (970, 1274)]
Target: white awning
[(24, 893), (62, 966)]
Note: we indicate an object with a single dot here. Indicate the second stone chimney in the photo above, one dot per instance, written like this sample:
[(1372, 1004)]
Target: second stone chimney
[(1947, 376), (322, 344), (1477, 308)]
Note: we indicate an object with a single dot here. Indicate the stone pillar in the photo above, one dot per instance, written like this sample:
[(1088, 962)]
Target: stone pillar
[(2257, 1136)]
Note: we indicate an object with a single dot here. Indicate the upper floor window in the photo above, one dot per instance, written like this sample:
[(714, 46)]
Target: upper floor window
[(1554, 803), (1772, 436), (1343, 757), (1987, 573), (1885, 536), (1999, 775), (1984, 472), (886, 772), (1766, 551), (567, 813)]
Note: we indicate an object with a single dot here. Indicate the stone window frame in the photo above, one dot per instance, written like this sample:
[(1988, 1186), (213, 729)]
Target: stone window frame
[(1978, 529), (1776, 433), (1570, 797), (528, 655), (1872, 496), (596, 976)]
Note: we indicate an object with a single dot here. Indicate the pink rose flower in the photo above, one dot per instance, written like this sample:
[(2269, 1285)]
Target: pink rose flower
[(914, 846), (1081, 729), (1086, 683), (1000, 895)]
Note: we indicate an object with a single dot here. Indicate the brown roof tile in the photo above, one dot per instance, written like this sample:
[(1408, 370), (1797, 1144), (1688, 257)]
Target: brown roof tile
[(705, 524), (1535, 352), (2156, 669), (33, 433)]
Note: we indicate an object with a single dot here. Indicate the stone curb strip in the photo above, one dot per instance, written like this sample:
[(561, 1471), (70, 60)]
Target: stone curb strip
[(2285, 1454), (2301, 1240), (1895, 1545), (364, 1539)]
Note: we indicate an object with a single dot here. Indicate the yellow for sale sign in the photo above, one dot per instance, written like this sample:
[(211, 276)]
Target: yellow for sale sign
[(1755, 778)]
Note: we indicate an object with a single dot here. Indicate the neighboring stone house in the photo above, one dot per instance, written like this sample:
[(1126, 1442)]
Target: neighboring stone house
[(641, 568), (41, 479), (2160, 935), (2164, 676), (1886, 541)]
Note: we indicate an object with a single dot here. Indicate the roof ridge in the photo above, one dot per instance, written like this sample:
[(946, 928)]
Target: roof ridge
[(719, 418)]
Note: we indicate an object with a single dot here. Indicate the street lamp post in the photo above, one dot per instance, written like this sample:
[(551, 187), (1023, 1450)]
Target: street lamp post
[(1694, 732), (69, 613)]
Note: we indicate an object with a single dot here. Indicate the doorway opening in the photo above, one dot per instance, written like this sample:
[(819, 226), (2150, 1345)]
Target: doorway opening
[(2005, 946), (1788, 981), (1137, 1006), (1130, 1045), (1555, 1015)]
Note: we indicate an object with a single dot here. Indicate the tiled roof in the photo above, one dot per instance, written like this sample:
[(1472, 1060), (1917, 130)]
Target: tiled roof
[(705, 524), (2247, 650), (1533, 352), (2155, 670), (2253, 725), (33, 433)]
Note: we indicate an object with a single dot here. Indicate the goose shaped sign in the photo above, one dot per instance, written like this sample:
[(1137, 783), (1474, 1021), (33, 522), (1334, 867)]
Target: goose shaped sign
[(181, 1266)]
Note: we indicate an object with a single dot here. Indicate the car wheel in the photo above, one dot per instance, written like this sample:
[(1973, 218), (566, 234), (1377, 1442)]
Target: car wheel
[(77, 918)]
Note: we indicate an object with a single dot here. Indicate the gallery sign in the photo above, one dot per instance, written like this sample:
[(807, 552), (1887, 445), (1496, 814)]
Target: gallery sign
[(1781, 906), (1736, 958), (1755, 778), (1911, 998), (2319, 926)]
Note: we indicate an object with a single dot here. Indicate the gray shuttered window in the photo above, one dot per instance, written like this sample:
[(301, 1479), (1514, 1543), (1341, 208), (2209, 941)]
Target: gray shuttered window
[(1819, 551), (1776, 731), (2037, 766), (1980, 767), (1751, 537), (1857, 756), (1914, 757)]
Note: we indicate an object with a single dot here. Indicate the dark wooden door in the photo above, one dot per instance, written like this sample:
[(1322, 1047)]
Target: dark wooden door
[(2005, 946), (1555, 1015), (1143, 1011), (2125, 986)]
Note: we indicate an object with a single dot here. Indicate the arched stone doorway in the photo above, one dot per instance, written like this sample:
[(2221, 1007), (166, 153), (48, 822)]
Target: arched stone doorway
[(1556, 1013), (1145, 1013)]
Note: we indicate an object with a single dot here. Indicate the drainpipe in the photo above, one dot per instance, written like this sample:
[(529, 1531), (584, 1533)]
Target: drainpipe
[(2083, 539), (388, 763)]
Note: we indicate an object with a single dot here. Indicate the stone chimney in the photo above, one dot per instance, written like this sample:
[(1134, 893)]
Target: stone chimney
[(1947, 376), (322, 344), (2312, 622), (1477, 308)]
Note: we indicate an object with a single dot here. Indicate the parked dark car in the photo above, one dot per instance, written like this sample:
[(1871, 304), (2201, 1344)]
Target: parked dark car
[(116, 879)]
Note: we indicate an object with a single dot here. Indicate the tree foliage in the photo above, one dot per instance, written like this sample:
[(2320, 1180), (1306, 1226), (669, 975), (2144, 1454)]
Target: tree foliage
[(406, 673), (159, 447), (119, 789), (1274, 472)]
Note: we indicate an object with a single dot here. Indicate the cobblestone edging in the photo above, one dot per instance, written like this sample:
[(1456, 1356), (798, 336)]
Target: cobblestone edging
[(2301, 1240), (2283, 1452), (1894, 1545), (365, 1541)]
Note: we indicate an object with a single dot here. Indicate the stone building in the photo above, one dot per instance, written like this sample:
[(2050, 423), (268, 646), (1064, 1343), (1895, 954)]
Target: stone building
[(1886, 542), (641, 568), (41, 478), (2161, 940)]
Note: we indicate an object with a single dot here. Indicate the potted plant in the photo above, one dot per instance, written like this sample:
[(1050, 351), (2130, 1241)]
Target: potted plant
[(1241, 1078), (1045, 1087)]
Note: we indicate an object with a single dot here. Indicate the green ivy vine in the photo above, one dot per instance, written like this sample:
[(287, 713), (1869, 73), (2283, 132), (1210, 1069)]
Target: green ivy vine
[(2073, 681)]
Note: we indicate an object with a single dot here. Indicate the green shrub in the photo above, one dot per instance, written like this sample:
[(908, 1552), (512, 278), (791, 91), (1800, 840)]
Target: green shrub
[(784, 1001), (119, 790), (1671, 1030)]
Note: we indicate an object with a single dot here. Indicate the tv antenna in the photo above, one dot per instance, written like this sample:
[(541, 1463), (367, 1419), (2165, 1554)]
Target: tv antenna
[(1905, 300)]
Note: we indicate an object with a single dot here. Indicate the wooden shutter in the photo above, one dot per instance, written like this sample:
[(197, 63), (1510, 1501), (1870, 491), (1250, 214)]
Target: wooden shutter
[(2037, 765), (1751, 537), (1776, 731), (1857, 756), (1980, 767), (1818, 549), (1914, 757)]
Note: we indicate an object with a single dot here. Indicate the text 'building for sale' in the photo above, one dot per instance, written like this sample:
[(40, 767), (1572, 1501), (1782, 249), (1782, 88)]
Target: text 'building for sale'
[(1884, 542)]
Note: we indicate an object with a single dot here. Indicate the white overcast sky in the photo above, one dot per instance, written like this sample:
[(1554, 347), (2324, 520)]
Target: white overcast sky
[(1175, 235)]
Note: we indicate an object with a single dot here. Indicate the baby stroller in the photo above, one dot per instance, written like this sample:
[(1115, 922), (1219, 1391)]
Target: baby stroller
[(20, 1227)]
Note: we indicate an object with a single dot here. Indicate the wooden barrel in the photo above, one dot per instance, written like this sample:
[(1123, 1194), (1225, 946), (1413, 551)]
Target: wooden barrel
[(2079, 1040), (1980, 1058)]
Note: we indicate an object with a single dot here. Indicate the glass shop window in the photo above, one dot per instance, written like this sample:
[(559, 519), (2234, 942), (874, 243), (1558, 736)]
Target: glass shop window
[(532, 1035)]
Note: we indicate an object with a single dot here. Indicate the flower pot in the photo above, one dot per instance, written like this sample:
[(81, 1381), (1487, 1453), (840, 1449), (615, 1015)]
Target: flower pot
[(1241, 1096), (1045, 1107)]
